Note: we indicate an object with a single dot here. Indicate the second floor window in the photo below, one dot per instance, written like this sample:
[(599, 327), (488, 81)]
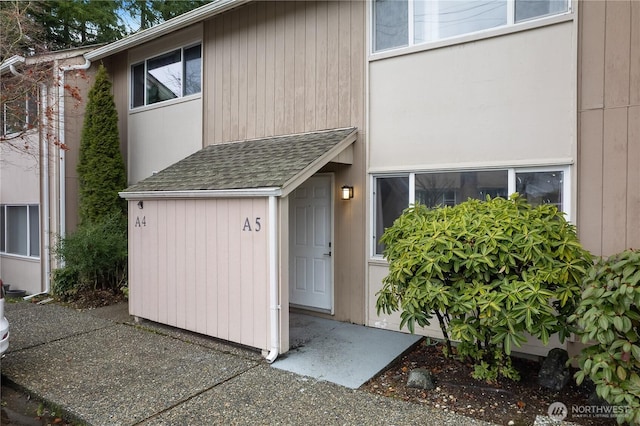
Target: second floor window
[(400, 23), (18, 112), (168, 76)]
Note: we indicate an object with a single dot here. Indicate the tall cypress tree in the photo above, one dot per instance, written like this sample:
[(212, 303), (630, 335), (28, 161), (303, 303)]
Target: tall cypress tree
[(101, 169)]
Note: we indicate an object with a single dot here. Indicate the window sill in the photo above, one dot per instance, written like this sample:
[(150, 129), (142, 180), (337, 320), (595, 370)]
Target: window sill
[(12, 135), (165, 103), (378, 260), (467, 38), (20, 257)]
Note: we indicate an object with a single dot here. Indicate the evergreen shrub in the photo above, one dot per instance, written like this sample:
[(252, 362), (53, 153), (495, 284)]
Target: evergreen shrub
[(490, 271), (608, 319)]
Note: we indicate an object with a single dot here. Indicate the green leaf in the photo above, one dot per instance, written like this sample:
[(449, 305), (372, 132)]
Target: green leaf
[(635, 351), (603, 322), (621, 373), (618, 323)]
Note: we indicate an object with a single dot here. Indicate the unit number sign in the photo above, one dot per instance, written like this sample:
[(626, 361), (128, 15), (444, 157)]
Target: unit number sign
[(251, 226)]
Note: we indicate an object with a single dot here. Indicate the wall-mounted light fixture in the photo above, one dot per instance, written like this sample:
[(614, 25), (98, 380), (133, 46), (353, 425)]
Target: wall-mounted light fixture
[(347, 192), (140, 204)]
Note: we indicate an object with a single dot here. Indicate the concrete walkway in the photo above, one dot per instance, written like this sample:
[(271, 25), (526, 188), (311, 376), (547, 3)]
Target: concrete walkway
[(339, 352), (102, 369)]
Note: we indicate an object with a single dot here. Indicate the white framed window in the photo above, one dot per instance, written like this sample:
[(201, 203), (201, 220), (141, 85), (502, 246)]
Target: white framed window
[(18, 114), (401, 23), (20, 230), (392, 193), (172, 75)]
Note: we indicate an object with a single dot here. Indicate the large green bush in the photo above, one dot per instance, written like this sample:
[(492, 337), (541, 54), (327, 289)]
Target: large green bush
[(490, 271), (101, 169), (609, 316), (95, 257)]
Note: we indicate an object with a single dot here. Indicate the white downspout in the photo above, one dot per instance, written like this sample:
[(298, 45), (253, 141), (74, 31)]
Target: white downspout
[(62, 186), (46, 197), (273, 281), (44, 96)]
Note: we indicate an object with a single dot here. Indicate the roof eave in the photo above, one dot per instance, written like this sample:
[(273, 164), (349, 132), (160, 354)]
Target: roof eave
[(179, 22), (218, 193), (318, 163), (5, 66)]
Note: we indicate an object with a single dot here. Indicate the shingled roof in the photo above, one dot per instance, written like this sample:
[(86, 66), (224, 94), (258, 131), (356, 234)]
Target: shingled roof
[(250, 164)]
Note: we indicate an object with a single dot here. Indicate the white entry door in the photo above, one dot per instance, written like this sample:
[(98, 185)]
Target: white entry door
[(311, 274)]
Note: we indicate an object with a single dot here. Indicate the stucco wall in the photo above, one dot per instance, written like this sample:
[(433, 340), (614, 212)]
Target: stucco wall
[(502, 100), (19, 184)]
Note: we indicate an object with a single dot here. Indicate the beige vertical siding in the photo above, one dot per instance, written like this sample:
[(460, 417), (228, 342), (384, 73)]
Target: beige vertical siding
[(274, 68), (74, 122), (609, 123), (194, 267), (118, 69)]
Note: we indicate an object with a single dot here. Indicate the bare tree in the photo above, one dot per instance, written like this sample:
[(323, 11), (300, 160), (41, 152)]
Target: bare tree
[(27, 77)]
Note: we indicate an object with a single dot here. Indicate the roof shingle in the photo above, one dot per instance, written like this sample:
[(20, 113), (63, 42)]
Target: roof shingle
[(257, 163)]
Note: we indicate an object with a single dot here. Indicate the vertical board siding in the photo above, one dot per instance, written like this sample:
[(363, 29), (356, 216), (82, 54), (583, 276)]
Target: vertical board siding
[(590, 178), (302, 67), (616, 51), (164, 253), (222, 236), (284, 67), (201, 230), (634, 67), (609, 142), (614, 180), (633, 178), (197, 268)]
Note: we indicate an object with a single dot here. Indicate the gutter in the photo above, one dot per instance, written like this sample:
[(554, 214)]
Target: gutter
[(208, 193), (9, 65)]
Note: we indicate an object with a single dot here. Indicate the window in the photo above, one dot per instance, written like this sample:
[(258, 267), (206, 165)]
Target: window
[(19, 114), (169, 76), (541, 187), (451, 188), (399, 23), (392, 194), (20, 230), (392, 197)]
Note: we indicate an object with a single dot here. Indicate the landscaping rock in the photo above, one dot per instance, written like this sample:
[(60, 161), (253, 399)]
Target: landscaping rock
[(420, 378), (554, 373)]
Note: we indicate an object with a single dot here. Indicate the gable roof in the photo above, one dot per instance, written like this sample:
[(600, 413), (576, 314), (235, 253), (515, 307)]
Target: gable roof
[(266, 166), (193, 16)]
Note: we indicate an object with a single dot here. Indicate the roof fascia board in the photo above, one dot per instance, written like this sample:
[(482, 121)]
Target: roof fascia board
[(223, 193), (313, 168), (179, 22), (59, 55)]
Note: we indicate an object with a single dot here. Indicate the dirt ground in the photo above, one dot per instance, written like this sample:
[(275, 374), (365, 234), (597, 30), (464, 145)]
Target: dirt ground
[(457, 391), (17, 409)]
